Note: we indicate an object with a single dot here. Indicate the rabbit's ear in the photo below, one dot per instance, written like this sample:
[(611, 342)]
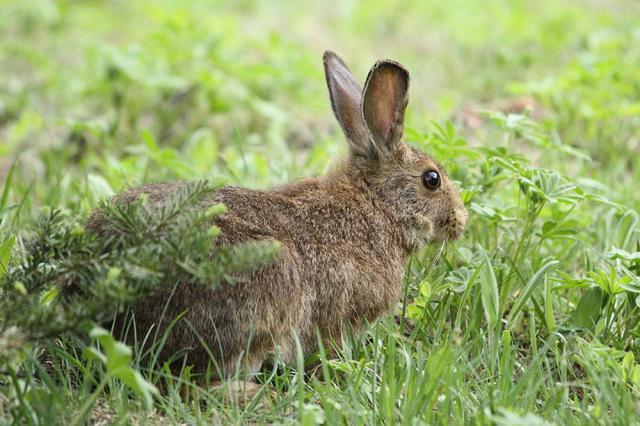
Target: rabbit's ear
[(384, 101), (346, 95)]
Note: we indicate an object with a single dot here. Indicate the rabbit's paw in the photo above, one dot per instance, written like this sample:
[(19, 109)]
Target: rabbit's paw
[(242, 392)]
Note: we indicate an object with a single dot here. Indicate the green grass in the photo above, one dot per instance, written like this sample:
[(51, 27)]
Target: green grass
[(532, 318)]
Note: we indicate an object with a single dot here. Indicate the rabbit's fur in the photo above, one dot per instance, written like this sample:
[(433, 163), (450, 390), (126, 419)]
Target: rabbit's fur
[(344, 238)]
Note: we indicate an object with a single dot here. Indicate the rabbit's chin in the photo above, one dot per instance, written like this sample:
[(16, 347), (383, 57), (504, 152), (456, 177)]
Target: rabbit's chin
[(421, 234), (425, 233)]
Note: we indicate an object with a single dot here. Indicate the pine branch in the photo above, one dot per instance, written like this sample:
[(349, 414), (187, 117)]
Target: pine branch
[(69, 277)]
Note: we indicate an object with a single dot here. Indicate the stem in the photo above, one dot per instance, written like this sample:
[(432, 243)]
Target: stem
[(404, 297), (526, 231)]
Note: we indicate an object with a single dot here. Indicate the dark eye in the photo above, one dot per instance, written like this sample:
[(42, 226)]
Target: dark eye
[(431, 179)]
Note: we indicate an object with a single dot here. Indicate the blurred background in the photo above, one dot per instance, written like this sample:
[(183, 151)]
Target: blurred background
[(103, 94)]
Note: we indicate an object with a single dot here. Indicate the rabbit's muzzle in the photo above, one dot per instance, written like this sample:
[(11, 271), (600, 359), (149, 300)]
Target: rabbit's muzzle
[(450, 226), (454, 225)]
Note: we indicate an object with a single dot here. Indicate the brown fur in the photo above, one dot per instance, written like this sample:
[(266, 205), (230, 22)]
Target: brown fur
[(344, 238)]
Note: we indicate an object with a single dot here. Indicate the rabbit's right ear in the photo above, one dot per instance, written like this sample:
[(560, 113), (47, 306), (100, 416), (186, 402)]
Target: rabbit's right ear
[(384, 103), (346, 96)]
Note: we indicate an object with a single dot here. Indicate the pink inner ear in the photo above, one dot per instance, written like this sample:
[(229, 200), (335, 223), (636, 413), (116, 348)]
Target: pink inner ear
[(386, 92), (387, 108), (386, 129), (390, 115)]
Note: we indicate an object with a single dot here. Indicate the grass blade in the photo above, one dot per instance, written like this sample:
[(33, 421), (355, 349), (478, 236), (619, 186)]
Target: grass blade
[(489, 292), (527, 292)]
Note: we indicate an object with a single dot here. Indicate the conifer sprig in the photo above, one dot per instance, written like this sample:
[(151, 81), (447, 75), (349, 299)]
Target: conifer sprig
[(70, 276)]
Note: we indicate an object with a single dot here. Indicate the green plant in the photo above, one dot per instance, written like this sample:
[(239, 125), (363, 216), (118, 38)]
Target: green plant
[(531, 318)]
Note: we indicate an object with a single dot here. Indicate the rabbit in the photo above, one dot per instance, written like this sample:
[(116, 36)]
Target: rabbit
[(344, 239)]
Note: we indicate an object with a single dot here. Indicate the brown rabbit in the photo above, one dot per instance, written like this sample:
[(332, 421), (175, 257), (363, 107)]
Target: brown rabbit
[(344, 238)]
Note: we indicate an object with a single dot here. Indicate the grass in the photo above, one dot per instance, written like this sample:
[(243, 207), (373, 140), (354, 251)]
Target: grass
[(532, 318)]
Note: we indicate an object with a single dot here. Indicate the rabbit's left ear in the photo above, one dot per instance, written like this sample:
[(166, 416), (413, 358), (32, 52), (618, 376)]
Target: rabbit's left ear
[(384, 100)]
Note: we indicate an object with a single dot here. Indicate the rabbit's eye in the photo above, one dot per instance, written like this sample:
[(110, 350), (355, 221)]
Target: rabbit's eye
[(431, 179)]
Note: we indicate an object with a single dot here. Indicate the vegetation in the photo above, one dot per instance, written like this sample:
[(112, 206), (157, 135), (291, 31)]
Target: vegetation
[(533, 317)]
